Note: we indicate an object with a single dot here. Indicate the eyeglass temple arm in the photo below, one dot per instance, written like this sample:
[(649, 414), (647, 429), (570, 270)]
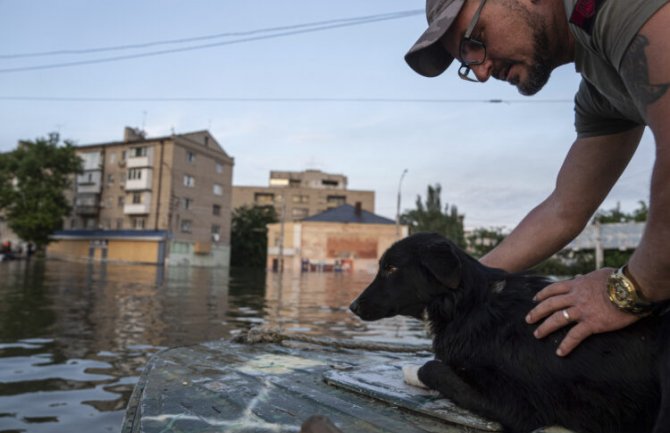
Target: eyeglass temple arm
[(473, 22)]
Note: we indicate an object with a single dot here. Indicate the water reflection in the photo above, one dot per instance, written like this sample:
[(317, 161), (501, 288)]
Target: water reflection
[(74, 337)]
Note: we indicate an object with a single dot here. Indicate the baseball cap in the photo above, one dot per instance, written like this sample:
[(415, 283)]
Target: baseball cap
[(427, 56)]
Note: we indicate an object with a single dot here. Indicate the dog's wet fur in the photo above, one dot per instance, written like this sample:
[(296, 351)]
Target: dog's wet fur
[(488, 361)]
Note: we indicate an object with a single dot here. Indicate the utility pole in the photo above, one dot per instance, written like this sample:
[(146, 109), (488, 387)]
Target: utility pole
[(599, 246), (280, 264), (397, 213)]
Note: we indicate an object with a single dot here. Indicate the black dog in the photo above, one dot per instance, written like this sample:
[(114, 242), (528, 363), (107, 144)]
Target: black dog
[(488, 361)]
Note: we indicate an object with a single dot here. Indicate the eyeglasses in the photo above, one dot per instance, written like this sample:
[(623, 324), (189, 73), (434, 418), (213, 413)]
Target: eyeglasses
[(471, 50)]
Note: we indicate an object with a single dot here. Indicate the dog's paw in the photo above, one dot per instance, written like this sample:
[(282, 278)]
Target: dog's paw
[(411, 375)]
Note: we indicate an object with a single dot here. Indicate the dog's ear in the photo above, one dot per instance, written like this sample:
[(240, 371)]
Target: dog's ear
[(442, 260)]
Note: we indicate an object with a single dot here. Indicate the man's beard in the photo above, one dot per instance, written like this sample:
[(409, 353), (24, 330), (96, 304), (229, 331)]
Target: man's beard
[(540, 70)]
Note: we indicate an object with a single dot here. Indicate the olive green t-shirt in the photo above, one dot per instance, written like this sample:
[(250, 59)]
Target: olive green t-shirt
[(602, 103)]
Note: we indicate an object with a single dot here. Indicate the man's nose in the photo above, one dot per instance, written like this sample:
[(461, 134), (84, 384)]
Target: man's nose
[(482, 71)]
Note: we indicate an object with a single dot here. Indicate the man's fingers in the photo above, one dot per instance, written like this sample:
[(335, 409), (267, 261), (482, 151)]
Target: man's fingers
[(560, 288), (547, 307), (555, 321), (576, 335)]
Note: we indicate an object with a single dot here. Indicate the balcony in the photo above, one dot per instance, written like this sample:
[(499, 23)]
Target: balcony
[(143, 161), (87, 210), (87, 204), (142, 183), (89, 182), (136, 209), (142, 205)]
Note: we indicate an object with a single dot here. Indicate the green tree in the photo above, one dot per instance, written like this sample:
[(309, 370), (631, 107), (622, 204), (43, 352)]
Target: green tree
[(482, 240), (249, 239), (430, 217), (33, 181), (616, 215)]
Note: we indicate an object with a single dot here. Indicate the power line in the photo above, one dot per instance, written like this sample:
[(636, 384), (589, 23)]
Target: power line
[(332, 25), (354, 20), (284, 100)]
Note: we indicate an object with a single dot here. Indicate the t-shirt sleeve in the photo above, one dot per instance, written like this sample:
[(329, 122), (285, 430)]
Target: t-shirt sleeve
[(595, 116)]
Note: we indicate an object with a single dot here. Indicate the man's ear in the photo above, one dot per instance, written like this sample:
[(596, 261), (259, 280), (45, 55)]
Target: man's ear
[(441, 259)]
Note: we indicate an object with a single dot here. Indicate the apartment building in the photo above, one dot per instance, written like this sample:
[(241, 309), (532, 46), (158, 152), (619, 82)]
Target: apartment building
[(298, 195), (164, 200)]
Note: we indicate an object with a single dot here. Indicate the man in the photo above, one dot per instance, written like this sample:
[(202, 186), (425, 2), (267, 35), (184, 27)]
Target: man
[(622, 50)]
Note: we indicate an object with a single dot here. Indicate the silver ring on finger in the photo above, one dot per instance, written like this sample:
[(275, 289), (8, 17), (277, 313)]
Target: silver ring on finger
[(566, 315)]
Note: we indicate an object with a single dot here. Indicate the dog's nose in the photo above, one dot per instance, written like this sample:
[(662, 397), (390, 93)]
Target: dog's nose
[(354, 307)]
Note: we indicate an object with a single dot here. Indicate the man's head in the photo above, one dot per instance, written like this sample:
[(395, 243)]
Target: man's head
[(506, 39)]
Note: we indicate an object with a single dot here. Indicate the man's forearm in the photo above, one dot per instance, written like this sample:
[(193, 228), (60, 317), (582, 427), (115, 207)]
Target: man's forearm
[(542, 233)]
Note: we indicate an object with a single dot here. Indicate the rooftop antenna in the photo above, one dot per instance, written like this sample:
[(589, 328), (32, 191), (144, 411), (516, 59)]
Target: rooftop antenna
[(144, 119)]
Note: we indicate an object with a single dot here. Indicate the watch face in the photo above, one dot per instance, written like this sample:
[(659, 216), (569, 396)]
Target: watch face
[(620, 292)]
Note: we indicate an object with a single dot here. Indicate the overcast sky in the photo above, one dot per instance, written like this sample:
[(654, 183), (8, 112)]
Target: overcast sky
[(292, 85)]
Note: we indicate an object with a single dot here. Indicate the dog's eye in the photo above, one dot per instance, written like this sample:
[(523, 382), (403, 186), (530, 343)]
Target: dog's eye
[(389, 269)]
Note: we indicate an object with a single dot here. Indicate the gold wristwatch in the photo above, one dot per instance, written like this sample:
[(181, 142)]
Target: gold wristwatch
[(625, 296)]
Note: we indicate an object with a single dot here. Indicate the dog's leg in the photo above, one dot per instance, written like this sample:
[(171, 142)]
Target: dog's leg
[(442, 378)]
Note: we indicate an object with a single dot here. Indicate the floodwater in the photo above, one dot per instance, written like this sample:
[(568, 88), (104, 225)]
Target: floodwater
[(74, 337)]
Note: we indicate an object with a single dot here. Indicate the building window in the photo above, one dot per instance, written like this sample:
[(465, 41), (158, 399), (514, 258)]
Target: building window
[(216, 210), (190, 157), (219, 168), (218, 189), (264, 199), (188, 203), (121, 201), (137, 198), (134, 174), (119, 224), (138, 152), (299, 212), (300, 198), (336, 200), (123, 155), (90, 223), (112, 157), (186, 226), (329, 183), (189, 181), (138, 223), (110, 178)]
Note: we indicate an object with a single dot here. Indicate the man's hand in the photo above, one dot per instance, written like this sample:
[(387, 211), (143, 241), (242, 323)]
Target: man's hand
[(583, 301)]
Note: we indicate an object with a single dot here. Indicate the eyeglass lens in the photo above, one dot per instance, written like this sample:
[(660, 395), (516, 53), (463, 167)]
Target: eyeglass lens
[(473, 52)]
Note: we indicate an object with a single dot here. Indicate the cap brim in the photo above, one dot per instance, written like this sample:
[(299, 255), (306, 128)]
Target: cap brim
[(427, 56)]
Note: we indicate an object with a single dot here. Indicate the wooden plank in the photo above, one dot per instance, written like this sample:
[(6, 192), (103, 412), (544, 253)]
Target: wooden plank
[(385, 383)]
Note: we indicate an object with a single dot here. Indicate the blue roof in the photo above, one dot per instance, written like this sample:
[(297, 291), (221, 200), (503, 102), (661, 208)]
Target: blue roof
[(347, 214)]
